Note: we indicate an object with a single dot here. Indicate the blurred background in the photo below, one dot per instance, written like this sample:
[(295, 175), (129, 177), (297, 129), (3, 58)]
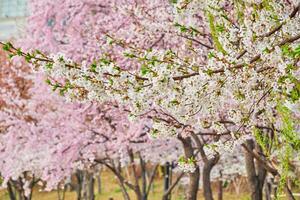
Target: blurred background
[(12, 18)]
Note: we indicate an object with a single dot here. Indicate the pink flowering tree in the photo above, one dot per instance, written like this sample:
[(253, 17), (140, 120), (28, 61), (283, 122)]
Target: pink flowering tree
[(14, 95), (147, 24), (46, 139), (53, 131), (54, 138), (233, 80)]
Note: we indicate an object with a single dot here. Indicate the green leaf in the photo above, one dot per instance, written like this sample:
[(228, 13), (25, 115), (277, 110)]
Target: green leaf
[(19, 52), (28, 57), (296, 52), (7, 46), (93, 67), (111, 81), (48, 81), (209, 72), (129, 55), (220, 28), (211, 55), (55, 86), (49, 66), (174, 102), (145, 70), (105, 61)]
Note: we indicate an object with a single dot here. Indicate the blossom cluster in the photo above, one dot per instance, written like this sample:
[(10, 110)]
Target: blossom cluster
[(186, 165)]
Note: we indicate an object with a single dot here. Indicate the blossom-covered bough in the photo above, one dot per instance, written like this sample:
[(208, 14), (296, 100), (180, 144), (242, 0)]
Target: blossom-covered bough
[(233, 81), (45, 140)]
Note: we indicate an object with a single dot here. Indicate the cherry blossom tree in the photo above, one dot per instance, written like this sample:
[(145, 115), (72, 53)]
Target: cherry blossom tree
[(233, 81), (141, 23), (14, 93), (51, 138), (50, 121)]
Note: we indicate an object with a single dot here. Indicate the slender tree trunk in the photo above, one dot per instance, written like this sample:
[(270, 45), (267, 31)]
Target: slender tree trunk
[(207, 191), (124, 191), (220, 190), (99, 185), (60, 193), (256, 172), (151, 180), (208, 165), (194, 176), (85, 183), (166, 180), (118, 173), (144, 179), (275, 192), (194, 184), (289, 193), (91, 185), (176, 181), (11, 193), (88, 184), (79, 177), (170, 177), (268, 190), (137, 189)]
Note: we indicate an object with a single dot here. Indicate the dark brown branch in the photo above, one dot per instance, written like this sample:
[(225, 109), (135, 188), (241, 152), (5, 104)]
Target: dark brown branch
[(289, 40), (156, 42), (241, 54), (118, 175), (292, 15), (173, 185), (196, 41), (151, 179)]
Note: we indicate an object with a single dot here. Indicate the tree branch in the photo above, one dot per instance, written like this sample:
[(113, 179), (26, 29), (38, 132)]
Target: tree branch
[(151, 179), (173, 185)]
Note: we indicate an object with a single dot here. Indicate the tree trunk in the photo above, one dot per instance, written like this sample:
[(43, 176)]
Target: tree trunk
[(60, 193), (124, 191), (166, 180), (170, 177), (268, 190), (144, 179), (151, 180), (85, 186), (194, 184), (11, 193), (118, 173), (208, 165), (176, 181), (99, 185), (137, 189), (91, 184), (79, 177), (19, 190), (256, 172), (275, 192), (194, 176), (220, 190)]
